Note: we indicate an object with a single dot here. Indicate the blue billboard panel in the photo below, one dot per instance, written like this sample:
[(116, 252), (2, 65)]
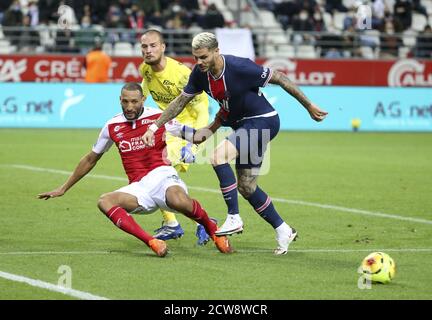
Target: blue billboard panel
[(80, 105), (41, 105), (373, 109)]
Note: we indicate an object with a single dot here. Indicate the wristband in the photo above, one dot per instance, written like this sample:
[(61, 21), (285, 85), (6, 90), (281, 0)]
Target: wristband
[(153, 127)]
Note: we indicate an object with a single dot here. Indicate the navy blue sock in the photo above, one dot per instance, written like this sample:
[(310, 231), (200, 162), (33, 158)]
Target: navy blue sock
[(228, 185), (264, 207)]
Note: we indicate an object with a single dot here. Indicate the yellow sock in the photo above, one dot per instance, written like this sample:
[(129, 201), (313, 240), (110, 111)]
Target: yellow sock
[(169, 218), (182, 167)]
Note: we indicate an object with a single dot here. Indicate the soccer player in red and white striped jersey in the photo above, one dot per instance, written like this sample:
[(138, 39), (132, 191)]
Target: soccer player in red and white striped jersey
[(153, 182)]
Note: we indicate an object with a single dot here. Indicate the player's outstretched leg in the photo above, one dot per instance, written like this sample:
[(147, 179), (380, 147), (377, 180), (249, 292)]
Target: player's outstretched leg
[(223, 154), (177, 199), (108, 204), (263, 205), (170, 229)]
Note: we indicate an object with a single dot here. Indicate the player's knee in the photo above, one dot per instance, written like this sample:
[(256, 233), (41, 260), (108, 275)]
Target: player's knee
[(246, 189), (217, 160), (105, 202), (213, 160)]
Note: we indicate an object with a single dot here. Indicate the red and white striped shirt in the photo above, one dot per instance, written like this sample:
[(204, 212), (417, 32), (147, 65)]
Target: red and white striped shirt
[(138, 159)]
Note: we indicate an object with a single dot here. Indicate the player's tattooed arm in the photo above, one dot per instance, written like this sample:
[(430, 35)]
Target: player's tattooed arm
[(315, 112), (290, 87), (173, 110)]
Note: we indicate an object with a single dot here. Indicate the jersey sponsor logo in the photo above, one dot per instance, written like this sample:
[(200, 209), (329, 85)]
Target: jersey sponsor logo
[(125, 146), (118, 128), (265, 73), (161, 97), (147, 121), (168, 83), (134, 144)]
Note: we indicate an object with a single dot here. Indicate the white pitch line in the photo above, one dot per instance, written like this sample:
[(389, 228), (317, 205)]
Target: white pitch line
[(295, 202), (51, 287), (35, 253), (311, 250)]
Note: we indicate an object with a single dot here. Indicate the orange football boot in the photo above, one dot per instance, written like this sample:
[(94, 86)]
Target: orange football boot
[(159, 247), (222, 243)]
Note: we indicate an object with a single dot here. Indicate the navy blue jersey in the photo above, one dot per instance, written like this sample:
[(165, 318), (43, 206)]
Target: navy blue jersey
[(237, 89)]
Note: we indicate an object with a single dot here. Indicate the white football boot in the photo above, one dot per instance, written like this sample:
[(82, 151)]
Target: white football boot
[(233, 224), (284, 236)]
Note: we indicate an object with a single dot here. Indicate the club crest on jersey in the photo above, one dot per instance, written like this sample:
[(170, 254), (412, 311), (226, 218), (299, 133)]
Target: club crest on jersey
[(147, 76)]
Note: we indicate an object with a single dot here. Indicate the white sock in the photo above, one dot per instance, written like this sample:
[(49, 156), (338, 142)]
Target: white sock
[(172, 223), (283, 229)]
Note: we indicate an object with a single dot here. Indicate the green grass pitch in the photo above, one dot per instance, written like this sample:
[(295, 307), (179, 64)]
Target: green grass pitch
[(347, 194)]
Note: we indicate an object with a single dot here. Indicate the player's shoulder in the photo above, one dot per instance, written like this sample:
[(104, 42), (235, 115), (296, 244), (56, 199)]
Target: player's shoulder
[(118, 118), (237, 62), (177, 66), (149, 112)]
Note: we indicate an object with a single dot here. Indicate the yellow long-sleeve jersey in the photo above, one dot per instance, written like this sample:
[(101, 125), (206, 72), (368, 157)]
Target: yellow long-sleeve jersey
[(164, 87)]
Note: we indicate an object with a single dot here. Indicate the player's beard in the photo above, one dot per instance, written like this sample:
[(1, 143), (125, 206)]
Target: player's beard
[(135, 116)]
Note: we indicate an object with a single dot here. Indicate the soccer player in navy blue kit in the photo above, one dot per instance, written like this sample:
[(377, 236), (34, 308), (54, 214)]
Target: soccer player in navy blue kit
[(234, 82)]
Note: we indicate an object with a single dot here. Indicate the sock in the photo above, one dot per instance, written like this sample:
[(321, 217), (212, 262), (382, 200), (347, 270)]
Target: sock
[(199, 215), (264, 207), (228, 185), (284, 229), (169, 218), (124, 221)]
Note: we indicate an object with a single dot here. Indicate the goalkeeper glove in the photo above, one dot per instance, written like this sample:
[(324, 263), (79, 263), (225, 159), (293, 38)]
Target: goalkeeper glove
[(187, 154)]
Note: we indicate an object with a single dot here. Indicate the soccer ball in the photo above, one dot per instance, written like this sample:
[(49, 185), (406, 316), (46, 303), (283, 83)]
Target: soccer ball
[(378, 267)]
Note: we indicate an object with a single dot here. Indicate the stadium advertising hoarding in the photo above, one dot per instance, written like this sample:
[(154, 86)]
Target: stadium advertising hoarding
[(79, 105), (321, 72)]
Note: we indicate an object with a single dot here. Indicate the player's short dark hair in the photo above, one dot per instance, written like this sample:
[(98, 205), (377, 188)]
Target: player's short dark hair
[(132, 86), (155, 31)]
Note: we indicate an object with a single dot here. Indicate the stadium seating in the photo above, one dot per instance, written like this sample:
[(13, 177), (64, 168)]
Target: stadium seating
[(123, 49), (272, 35)]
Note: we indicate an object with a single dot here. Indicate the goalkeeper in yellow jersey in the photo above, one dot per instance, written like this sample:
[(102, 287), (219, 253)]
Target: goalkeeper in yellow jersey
[(164, 79)]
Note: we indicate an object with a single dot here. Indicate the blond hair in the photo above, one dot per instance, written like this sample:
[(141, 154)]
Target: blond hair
[(204, 40)]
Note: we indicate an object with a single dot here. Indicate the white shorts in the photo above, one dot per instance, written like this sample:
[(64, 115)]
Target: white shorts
[(150, 190)]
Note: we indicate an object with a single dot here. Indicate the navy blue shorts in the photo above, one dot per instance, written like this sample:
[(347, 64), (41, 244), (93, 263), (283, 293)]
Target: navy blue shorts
[(251, 137)]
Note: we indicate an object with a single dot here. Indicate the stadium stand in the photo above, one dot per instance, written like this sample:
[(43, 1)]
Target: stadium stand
[(281, 28)]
